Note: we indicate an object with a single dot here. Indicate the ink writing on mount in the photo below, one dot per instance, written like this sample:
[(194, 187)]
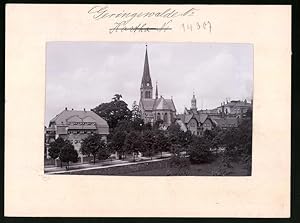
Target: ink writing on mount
[(121, 26), (99, 12)]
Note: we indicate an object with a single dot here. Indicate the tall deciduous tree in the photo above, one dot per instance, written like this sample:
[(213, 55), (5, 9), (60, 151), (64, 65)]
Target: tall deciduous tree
[(116, 142), (162, 142), (149, 144), (114, 112), (133, 143), (92, 145)]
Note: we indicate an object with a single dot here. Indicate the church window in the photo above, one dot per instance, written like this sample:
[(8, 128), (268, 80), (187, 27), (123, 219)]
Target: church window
[(147, 94)]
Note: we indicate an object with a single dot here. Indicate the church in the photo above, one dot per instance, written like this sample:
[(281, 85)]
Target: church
[(157, 108)]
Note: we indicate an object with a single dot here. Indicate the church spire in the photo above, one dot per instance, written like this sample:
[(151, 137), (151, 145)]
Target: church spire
[(146, 80), (146, 84), (156, 91)]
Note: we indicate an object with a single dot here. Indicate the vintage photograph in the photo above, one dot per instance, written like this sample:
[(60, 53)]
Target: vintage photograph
[(148, 109)]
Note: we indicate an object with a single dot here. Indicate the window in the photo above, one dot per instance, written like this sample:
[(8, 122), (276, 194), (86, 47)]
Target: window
[(147, 94), (165, 117)]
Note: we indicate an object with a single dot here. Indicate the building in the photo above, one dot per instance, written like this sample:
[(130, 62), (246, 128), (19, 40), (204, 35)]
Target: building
[(195, 123), (157, 108), (234, 108), (228, 115), (74, 126), (226, 122)]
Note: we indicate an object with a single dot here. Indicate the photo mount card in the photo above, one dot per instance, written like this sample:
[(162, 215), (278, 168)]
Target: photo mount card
[(68, 59)]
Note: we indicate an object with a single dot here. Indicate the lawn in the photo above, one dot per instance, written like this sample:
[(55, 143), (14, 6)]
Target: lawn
[(205, 169)]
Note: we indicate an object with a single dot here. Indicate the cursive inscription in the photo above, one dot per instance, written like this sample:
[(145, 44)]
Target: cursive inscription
[(141, 21)]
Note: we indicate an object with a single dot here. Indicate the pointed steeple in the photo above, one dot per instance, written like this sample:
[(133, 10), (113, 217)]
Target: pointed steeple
[(156, 91), (146, 80), (146, 84)]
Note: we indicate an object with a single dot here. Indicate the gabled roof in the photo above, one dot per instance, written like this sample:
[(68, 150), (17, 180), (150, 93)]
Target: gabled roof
[(185, 118), (158, 104), (201, 117), (164, 104), (148, 103), (67, 116), (225, 122)]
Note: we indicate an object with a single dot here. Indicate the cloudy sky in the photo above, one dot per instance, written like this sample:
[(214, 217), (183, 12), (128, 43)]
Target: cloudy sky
[(84, 74)]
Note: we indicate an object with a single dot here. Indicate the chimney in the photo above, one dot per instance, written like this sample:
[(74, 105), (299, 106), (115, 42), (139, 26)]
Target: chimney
[(84, 109), (72, 109), (66, 108)]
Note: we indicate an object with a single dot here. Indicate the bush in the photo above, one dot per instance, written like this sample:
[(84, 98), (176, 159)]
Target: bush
[(199, 151), (180, 165), (103, 154)]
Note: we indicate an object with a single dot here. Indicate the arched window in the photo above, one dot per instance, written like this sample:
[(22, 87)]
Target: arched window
[(158, 116)]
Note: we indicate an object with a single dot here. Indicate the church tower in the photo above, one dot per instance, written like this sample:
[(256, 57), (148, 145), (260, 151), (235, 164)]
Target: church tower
[(146, 84), (194, 102)]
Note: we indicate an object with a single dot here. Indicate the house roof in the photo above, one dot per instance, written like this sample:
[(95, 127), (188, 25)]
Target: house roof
[(225, 122), (237, 104), (185, 118), (208, 111), (67, 116)]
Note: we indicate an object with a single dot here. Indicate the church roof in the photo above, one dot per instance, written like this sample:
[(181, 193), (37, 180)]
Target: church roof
[(158, 104), (148, 103), (146, 80)]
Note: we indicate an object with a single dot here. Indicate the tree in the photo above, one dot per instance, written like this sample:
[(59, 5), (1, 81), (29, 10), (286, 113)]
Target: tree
[(117, 97), (92, 144), (199, 151), (103, 152), (116, 142), (162, 142), (133, 143), (135, 111), (64, 150), (114, 112), (149, 145), (174, 132), (158, 124), (68, 154), (55, 147)]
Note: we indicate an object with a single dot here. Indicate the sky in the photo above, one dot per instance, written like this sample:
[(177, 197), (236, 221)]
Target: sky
[(85, 74)]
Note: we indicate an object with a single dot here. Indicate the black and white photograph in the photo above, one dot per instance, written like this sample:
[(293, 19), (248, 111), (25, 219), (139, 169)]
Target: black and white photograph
[(148, 109)]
